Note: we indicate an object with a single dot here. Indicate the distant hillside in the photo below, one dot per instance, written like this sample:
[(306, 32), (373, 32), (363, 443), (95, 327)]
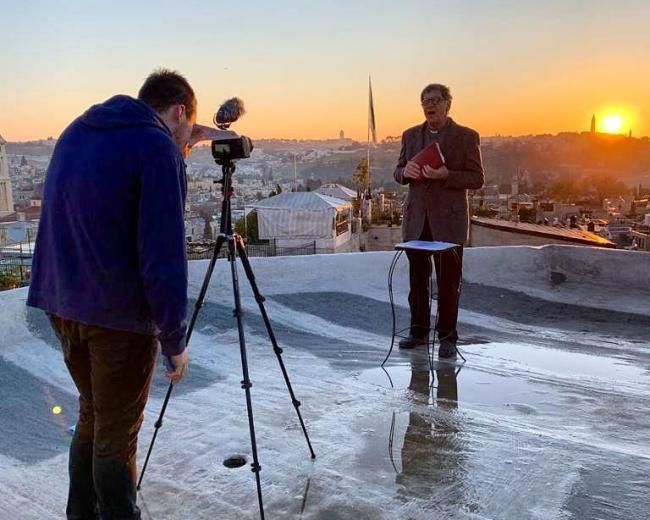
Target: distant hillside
[(625, 159), (540, 157), (41, 148)]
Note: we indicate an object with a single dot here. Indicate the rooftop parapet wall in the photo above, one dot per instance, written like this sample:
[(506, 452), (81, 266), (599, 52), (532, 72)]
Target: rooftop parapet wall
[(589, 276), (593, 277)]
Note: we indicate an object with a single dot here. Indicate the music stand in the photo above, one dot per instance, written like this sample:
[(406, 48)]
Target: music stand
[(420, 246)]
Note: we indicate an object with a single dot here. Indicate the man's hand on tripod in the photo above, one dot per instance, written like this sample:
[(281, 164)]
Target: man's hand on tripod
[(177, 367)]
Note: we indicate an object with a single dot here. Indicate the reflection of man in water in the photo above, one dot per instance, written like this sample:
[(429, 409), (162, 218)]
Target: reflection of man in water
[(431, 453)]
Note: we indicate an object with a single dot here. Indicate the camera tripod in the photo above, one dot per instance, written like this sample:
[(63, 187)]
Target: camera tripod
[(236, 248)]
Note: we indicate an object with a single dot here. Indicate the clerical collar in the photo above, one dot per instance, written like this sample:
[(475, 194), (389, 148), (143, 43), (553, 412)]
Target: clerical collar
[(435, 132)]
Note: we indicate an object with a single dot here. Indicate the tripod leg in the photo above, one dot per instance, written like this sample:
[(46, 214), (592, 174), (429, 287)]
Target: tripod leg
[(204, 288), (276, 348), (246, 383), (197, 306)]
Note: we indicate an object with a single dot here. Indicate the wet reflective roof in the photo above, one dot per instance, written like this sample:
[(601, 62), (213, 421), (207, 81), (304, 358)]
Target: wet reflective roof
[(546, 418)]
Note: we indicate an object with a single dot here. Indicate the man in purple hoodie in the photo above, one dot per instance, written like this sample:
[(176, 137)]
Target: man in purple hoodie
[(110, 270)]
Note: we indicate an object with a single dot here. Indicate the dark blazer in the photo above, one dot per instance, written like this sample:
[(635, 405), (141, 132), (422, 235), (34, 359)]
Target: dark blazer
[(443, 202)]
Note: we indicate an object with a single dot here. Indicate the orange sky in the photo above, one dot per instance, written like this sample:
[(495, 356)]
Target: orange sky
[(513, 69)]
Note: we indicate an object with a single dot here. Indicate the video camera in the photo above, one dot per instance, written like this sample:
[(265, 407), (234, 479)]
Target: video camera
[(225, 151)]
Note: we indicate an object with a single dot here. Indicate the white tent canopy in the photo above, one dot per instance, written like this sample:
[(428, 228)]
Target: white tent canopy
[(337, 191), (297, 215)]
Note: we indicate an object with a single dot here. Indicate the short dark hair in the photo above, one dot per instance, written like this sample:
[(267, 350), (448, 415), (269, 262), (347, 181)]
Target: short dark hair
[(164, 88), (443, 89)]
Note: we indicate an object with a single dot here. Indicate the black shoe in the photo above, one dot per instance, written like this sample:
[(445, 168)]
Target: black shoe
[(412, 342), (447, 350)]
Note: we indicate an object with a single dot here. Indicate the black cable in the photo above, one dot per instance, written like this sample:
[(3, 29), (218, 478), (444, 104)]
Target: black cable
[(431, 351), (391, 272), (391, 441)]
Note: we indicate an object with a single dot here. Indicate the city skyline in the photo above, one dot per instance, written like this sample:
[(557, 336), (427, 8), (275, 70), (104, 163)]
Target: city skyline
[(513, 69), (611, 125)]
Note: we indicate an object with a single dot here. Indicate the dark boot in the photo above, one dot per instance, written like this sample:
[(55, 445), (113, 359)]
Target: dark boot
[(115, 489), (82, 502), (412, 342), (447, 345)]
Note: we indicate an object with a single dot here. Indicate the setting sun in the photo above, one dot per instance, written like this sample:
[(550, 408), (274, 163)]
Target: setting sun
[(613, 124)]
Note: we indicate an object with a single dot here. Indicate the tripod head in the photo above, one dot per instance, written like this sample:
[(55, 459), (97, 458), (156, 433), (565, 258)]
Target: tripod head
[(228, 170)]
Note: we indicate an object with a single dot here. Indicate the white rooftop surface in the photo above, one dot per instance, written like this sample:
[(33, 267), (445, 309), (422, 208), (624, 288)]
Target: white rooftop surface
[(309, 200), (547, 419), (337, 191)]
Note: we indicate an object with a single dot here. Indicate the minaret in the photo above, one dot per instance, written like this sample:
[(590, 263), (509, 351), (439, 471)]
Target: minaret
[(593, 124), (6, 198)]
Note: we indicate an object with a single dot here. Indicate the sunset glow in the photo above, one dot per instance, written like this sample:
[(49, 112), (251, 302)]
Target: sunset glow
[(303, 73), (613, 124)]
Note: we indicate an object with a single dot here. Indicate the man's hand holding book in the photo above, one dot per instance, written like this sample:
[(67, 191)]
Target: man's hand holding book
[(428, 164), (413, 171), (435, 174)]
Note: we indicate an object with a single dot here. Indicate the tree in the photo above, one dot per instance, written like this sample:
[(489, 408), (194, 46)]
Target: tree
[(240, 227), (485, 212), (248, 229), (564, 190), (9, 279), (356, 207), (313, 184), (360, 176), (207, 229), (527, 215), (606, 186)]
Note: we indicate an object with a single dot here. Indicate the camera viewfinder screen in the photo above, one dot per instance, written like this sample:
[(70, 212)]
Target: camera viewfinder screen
[(221, 148)]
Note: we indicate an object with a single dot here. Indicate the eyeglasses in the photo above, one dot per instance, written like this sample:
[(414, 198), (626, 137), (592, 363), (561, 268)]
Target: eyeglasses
[(432, 101)]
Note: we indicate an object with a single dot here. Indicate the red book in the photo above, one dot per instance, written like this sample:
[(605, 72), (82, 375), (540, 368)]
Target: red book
[(431, 156)]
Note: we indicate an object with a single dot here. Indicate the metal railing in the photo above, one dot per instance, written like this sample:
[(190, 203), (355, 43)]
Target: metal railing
[(272, 250), (15, 271), (259, 250)]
